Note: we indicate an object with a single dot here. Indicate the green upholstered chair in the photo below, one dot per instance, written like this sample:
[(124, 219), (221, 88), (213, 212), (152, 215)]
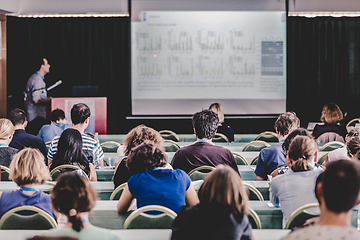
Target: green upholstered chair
[(253, 193), (140, 219), (255, 146), (267, 136), (352, 122), (171, 146), (200, 173), (219, 137), (255, 160), (322, 159), (300, 215), (332, 146), (240, 160), (110, 146), (117, 192), (56, 172), (38, 220), (254, 219), (169, 135), (5, 172)]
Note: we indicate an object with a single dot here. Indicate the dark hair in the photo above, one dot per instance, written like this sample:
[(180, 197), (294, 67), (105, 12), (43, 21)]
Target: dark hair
[(79, 113), (353, 145), (353, 132), (17, 116), (70, 151), (145, 157), (302, 149), (72, 195), (341, 185), (205, 124), (142, 133), (286, 122), (292, 135), (57, 114)]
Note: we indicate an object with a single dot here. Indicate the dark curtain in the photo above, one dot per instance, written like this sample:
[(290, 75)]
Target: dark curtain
[(81, 52), (323, 65)]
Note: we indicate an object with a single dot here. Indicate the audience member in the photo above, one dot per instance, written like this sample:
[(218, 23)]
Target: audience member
[(331, 116), (57, 126), (342, 153), (226, 130), (135, 137), (154, 182), (28, 171), (22, 139), (337, 192), (6, 133), (74, 197), (273, 157), (353, 148), (294, 188), (203, 152), (80, 116), (221, 213), (70, 152)]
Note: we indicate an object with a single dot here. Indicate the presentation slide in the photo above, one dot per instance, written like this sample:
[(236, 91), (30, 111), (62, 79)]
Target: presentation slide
[(182, 61)]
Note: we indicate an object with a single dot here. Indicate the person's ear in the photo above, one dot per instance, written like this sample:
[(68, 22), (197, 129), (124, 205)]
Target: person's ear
[(25, 123), (319, 190)]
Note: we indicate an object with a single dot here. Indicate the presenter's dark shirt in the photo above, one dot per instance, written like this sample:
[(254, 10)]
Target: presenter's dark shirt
[(227, 131), (320, 129), (22, 139), (202, 154)]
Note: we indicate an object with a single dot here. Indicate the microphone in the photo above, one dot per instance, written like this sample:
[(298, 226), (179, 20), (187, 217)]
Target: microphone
[(54, 85)]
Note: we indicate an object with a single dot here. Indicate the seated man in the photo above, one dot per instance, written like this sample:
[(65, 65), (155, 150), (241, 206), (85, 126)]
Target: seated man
[(21, 138), (203, 152), (57, 126), (337, 191), (273, 157), (80, 116)]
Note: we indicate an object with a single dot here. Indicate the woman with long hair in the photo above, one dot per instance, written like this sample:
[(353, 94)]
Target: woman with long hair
[(70, 152), (6, 133), (221, 213), (295, 187), (74, 197), (154, 182), (223, 129)]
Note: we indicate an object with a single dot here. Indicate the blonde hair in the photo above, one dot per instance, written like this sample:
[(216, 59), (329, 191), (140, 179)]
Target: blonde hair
[(28, 166), (302, 149), (217, 108), (331, 113), (224, 186), (6, 128)]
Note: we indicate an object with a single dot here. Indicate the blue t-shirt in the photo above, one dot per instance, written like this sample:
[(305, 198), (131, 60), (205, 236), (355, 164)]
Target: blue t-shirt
[(165, 187), (270, 158), (10, 200), (49, 131)]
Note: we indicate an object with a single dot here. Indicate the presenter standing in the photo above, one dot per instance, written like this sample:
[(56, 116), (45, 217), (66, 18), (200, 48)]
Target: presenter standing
[(36, 94)]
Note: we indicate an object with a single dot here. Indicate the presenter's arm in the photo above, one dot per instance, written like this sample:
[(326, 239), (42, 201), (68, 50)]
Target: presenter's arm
[(43, 100)]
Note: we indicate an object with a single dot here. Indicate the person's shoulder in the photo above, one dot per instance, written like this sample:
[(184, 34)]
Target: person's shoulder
[(179, 172), (88, 139), (105, 234), (323, 232)]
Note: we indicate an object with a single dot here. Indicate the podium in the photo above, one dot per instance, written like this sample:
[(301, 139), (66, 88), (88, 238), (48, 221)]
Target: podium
[(98, 108)]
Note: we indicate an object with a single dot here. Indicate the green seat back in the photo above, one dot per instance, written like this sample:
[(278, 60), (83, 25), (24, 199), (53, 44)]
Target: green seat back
[(147, 221)]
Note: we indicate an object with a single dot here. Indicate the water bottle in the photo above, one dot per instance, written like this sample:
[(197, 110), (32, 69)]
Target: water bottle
[(96, 161), (96, 137)]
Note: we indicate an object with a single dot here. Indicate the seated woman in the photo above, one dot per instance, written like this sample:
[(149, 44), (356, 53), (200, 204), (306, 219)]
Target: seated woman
[(135, 137), (70, 152), (154, 182), (6, 133), (74, 197), (331, 116), (28, 171), (226, 130), (221, 213), (295, 187)]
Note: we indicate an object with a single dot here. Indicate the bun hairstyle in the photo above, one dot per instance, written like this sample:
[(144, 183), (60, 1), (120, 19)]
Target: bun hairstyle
[(302, 149), (73, 195)]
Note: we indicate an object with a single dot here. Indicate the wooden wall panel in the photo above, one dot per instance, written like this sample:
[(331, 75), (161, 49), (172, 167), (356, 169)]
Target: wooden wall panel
[(3, 92)]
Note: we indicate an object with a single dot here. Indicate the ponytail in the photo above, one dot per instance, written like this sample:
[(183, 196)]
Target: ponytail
[(75, 220), (302, 150), (300, 165)]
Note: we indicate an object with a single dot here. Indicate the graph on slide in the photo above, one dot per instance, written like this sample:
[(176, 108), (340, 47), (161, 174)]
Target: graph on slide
[(272, 58), (148, 69), (240, 43), (180, 41), (210, 40), (240, 67), (148, 43), (210, 67), (180, 68)]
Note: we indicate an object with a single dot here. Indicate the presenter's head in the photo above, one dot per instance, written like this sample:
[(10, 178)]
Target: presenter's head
[(205, 124), (80, 116), (44, 66)]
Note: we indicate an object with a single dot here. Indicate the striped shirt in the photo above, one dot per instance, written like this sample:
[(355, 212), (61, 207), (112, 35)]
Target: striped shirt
[(89, 145)]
